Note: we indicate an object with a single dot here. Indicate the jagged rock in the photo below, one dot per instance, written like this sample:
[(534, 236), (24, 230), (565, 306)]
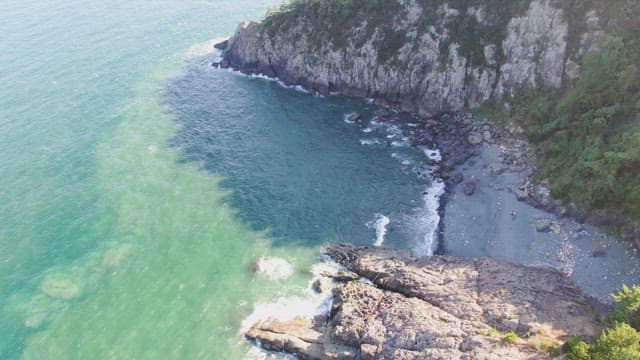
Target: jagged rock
[(322, 285), (222, 45), (354, 117), (343, 275), (384, 114), (435, 308), (522, 195), (543, 225), (475, 138), (486, 135), (300, 336), (422, 75)]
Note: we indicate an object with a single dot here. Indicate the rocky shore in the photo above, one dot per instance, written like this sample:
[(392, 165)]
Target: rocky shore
[(474, 305), (388, 304)]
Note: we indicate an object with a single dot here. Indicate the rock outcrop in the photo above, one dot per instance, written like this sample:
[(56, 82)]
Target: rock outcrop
[(436, 308), (425, 56)]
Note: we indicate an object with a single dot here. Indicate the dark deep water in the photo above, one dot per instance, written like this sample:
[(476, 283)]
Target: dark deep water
[(293, 166)]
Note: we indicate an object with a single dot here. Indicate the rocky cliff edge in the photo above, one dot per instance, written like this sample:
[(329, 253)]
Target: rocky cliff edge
[(404, 307), (421, 56)]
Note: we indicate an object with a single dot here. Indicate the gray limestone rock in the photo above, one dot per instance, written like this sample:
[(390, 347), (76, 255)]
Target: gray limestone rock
[(428, 74)]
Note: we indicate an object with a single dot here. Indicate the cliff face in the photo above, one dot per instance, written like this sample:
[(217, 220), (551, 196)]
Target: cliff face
[(424, 56)]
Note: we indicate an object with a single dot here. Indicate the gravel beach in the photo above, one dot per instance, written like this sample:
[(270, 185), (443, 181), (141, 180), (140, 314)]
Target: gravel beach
[(491, 221)]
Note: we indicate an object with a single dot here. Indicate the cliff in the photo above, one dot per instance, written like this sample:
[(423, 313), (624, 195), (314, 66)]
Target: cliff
[(564, 71), (424, 56), (436, 308)]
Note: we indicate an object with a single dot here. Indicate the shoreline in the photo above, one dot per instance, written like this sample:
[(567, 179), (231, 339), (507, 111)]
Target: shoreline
[(463, 139), (387, 303)]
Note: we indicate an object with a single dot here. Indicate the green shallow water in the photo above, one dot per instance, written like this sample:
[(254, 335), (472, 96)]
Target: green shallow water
[(109, 248), (130, 216)]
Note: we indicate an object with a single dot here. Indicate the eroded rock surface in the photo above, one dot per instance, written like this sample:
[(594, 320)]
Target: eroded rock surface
[(436, 308), (434, 67)]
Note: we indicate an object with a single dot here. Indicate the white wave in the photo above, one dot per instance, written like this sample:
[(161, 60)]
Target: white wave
[(327, 267), (432, 154), (205, 48), (380, 226), (310, 305), (370, 142), (273, 268), (430, 218), (299, 88), (400, 143), (287, 308), (367, 130), (345, 118), (394, 131), (261, 76), (258, 353)]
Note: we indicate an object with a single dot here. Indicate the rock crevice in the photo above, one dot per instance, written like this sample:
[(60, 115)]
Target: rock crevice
[(436, 308)]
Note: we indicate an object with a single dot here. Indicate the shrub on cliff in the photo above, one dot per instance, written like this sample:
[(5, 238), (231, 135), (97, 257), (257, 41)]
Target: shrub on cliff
[(588, 141), (628, 306), (577, 349), (619, 342)]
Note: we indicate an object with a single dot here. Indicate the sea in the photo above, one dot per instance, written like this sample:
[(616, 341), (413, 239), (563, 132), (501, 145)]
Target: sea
[(141, 187)]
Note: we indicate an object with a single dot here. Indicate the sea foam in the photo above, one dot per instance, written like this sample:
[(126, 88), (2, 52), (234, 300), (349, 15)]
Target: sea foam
[(380, 226), (205, 48), (430, 218), (309, 304), (273, 268)]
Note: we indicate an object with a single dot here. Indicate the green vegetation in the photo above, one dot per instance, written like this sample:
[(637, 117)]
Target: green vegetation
[(628, 306), (330, 18), (621, 341), (511, 337), (588, 136), (577, 349)]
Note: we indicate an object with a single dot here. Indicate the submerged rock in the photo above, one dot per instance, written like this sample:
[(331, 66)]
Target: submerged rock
[(435, 308), (273, 268), (60, 286), (354, 117)]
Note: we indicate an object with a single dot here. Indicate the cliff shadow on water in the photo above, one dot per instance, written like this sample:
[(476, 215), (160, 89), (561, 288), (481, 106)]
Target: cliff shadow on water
[(295, 166)]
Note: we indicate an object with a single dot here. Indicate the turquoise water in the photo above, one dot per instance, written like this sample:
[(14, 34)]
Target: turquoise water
[(138, 184)]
